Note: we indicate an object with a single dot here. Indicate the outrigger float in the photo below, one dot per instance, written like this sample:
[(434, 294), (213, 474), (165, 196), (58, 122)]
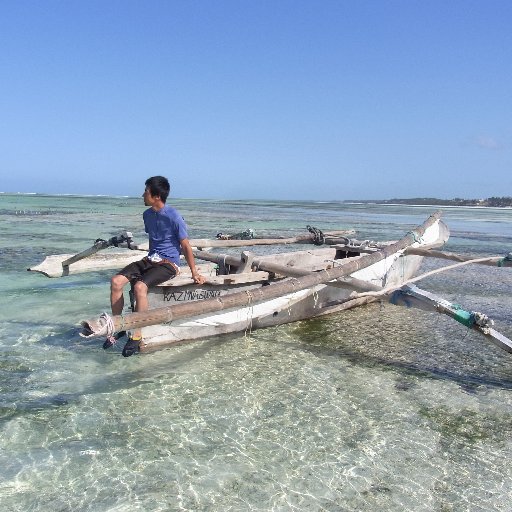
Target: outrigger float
[(252, 292)]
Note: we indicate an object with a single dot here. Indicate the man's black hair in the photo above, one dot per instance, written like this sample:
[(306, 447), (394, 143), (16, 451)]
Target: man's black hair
[(159, 186)]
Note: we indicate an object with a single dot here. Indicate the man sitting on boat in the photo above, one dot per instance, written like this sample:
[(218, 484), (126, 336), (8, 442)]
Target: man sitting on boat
[(167, 238)]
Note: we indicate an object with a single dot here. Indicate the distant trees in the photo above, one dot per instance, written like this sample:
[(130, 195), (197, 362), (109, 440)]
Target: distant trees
[(495, 202), (499, 201)]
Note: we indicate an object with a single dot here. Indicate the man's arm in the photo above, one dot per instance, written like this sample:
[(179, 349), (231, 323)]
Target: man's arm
[(186, 249)]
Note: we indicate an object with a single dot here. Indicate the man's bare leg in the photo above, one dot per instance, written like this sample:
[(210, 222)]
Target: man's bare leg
[(140, 290), (117, 284)]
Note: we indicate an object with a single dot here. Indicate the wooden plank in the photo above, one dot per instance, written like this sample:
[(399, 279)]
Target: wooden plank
[(330, 237), (285, 270), (122, 240), (222, 280), (492, 261), (98, 326), (98, 246), (262, 263), (52, 266)]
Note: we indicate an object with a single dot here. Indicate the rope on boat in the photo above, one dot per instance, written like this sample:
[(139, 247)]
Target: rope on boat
[(250, 313), (248, 234), (107, 326), (470, 318), (505, 259), (315, 298), (415, 236), (318, 236), (116, 240), (457, 312)]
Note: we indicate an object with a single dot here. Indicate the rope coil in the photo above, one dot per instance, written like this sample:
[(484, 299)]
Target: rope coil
[(318, 236), (505, 259), (106, 328)]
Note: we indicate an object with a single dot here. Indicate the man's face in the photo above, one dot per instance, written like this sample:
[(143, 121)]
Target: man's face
[(149, 200)]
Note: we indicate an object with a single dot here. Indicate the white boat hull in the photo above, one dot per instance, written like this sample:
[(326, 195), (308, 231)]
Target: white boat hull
[(292, 307)]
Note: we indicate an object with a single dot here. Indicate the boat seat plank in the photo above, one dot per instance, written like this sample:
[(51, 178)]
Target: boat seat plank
[(222, 280)]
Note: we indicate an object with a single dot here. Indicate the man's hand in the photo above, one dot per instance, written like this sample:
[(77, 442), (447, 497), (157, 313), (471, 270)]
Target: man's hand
[(198, 278), (186, 249)]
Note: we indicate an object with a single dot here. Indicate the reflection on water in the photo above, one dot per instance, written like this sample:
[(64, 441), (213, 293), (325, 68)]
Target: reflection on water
[(380, 408)]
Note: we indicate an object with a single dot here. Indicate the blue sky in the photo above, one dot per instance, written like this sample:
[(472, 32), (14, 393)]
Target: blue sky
[(280, 99)]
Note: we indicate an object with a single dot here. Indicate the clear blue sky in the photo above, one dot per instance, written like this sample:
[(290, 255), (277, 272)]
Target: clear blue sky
[(271, 99)]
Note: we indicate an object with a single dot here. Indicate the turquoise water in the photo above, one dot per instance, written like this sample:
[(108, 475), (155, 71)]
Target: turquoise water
[(379, 408)]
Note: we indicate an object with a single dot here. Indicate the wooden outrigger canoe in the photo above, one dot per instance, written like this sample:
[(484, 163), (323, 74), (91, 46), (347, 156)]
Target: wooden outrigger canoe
[(251, 292)]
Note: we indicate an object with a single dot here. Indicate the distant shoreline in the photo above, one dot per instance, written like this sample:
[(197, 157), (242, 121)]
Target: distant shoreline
[(490, 202), (376, 203)]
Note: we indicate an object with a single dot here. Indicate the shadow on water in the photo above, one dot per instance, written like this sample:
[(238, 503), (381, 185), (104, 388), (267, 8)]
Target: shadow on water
[(35, 326), (321, 338), (469, 383)]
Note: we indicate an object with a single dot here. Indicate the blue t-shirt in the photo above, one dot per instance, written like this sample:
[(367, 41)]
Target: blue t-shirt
[(166, 228)]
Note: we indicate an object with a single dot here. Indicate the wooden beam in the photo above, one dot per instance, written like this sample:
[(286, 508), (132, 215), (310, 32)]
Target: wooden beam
[(413, 296), (331, 237), (284, 270), (492, 261)]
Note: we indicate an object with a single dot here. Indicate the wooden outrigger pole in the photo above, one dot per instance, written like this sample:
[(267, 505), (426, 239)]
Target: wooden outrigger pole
[(412, 296), (492, 261), (125, 238), (329, 238), (106, 324), (62, 265)]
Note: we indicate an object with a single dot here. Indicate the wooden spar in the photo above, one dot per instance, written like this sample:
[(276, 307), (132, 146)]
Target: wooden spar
[(97, 326), (226, 259), (285, 270), (58, 265), (62, 265), (411, 295), (493, 261), (123, 238), (52, 266), (331, 237), (220, 259), (256, 264), (98, 246)]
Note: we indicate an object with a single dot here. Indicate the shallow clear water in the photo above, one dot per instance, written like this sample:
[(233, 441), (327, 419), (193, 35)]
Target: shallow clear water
[(379, 408)]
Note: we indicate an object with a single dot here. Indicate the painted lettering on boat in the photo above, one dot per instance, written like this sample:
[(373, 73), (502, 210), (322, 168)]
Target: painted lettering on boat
[(184, 295)]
